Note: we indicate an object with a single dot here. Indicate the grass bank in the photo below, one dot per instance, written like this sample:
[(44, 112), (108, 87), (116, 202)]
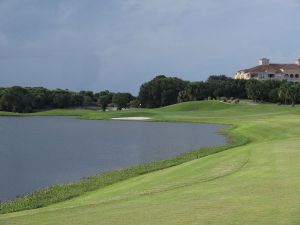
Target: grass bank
[(256, 183)]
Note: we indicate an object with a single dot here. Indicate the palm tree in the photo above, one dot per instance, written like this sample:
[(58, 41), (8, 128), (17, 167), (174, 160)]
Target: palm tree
[(293, 93), (283, 92), (289, 91)]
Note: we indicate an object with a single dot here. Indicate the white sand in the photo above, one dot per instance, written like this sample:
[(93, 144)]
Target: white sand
[(132, 118)]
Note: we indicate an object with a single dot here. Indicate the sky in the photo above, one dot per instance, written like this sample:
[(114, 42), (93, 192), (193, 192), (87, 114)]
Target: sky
[(120, 44)]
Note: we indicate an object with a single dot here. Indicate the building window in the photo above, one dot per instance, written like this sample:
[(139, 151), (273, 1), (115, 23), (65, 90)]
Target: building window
[(271, 75), (286, 75), (291, 75), (297, 76)]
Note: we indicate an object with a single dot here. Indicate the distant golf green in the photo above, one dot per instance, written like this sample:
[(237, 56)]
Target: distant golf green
[(256, 183)]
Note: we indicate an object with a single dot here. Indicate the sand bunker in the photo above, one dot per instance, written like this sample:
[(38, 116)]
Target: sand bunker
[(132, 118)]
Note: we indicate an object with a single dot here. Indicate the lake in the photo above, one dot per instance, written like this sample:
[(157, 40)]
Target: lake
[(36, 152)]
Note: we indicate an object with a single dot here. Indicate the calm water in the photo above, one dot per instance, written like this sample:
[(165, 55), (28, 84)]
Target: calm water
[(39, 151)]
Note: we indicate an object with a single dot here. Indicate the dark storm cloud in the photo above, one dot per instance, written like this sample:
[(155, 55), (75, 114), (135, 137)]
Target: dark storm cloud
[(119, 44)]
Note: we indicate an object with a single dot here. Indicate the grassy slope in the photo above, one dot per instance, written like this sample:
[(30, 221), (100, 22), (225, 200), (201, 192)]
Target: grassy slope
[(258, 183)]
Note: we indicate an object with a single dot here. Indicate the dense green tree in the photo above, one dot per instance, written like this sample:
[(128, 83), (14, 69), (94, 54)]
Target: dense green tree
[(121, 100), (294, 93), (104, 99), (161, 91), (194, 91), (222, 86), (255, 90), (135, 103), (76, 99), (87, 98), (283, 92), (19, 99), (269, 90), (238, 88), (16, 99), (222, 77), (61, 98), (41, 97), (216, 86), (273, 95)]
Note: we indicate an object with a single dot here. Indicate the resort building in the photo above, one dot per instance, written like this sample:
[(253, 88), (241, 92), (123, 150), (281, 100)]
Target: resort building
[(269, 71)]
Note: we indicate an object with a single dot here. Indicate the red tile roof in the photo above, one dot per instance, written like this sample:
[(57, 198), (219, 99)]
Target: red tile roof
[(272, 67), (291, 67)]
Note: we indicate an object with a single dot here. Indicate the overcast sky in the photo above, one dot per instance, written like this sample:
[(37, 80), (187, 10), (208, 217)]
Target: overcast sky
[(119, 44)]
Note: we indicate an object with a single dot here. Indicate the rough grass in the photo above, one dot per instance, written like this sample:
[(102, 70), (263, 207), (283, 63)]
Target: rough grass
[(257, 183)]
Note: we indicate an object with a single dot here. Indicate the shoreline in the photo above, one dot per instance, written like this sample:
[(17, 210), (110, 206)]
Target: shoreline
[(46, 196), (199, 136), (257, 158)]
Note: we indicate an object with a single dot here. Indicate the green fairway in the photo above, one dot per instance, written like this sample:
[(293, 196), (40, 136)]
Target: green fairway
[(256, 183)]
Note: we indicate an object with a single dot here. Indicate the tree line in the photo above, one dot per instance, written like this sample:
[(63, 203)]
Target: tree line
[(163, 91), (158, 92), (30, 99)]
